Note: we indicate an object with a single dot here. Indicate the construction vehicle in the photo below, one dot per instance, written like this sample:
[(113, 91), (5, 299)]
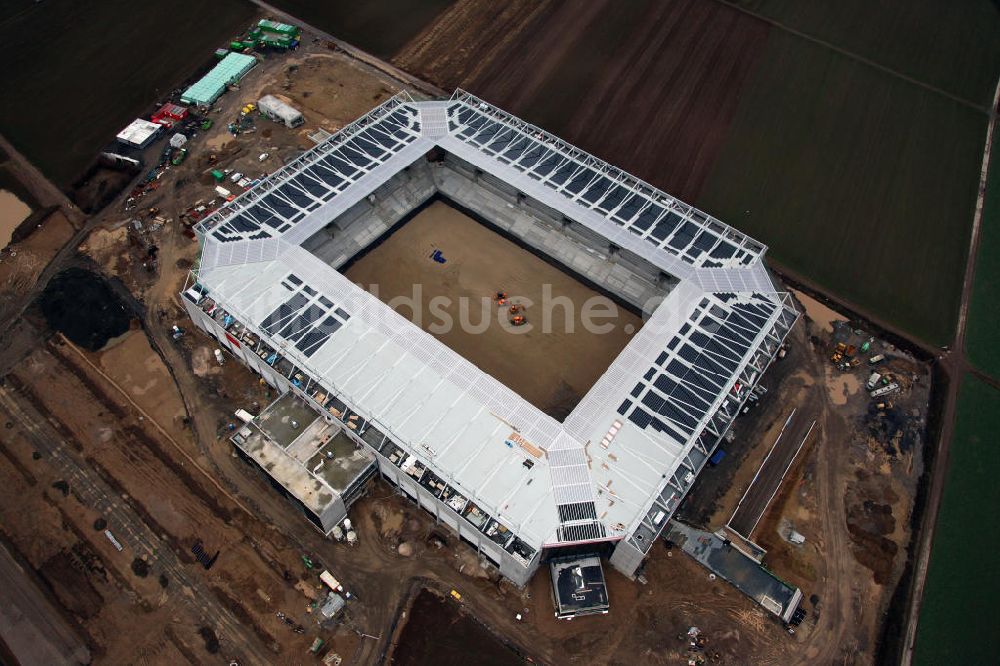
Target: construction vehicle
[(179, 157), (838, 353), (873, 380)]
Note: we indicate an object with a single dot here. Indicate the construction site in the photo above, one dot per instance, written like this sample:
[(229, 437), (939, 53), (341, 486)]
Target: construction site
[(227, 414)]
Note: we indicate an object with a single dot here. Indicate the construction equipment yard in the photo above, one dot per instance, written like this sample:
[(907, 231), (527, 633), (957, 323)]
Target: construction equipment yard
[(153, 542)]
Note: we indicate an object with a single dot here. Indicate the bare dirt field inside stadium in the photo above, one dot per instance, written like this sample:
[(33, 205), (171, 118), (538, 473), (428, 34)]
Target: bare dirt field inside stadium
[(552, 360)]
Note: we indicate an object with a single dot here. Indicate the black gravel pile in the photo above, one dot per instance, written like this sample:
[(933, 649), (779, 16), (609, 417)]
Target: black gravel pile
[(83, 307)]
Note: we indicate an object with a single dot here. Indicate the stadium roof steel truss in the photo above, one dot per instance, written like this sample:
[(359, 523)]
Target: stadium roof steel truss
[(630, 450)]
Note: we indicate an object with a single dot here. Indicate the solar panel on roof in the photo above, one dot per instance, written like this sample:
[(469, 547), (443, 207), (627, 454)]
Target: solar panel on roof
[(683, 236), (283, 313), (563, 173), (646, 218), (612, 198)]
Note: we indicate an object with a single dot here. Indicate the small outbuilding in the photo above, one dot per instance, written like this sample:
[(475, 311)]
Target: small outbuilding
[(279, 111), (139, 133), (168, 114)]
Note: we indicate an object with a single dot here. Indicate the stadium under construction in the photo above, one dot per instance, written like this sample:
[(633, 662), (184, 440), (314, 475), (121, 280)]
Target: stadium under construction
[(365, 391)]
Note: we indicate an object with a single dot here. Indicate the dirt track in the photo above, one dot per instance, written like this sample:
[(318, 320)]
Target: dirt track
[(552, 361)]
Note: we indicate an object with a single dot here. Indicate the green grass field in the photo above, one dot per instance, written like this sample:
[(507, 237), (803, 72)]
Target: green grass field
[(860, 181), (950, 45), (981, 335), (958, 622)]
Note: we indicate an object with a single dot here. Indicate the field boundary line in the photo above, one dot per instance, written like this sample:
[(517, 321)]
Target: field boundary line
[(940, 476), (977, 223), (854, 56), (159, 428)]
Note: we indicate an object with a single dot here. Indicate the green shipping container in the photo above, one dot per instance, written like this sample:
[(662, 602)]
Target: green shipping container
[(218, 175), (275, 41), (280, 28)]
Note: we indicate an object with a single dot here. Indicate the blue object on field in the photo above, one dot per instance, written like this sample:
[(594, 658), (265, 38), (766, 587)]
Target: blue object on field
[(717, 457), (438, 257)]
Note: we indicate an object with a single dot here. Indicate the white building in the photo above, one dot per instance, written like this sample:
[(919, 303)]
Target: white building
[(518, 485), (280, 112), (139, 133)]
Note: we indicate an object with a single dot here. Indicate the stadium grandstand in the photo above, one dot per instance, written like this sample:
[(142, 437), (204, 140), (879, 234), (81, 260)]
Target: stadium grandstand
[(519, 486)]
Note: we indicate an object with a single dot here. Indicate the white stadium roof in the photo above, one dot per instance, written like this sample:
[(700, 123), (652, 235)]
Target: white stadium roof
[(631, 447)]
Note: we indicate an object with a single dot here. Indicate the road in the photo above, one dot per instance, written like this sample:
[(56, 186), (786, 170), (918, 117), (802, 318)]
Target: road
[(129, 528), (954, 364), (32, 629), (772, 472)]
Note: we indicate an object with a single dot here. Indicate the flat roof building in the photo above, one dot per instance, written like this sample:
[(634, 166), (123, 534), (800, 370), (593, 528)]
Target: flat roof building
[(320, 469), (520, 486), (168, 114), (227, 71), (139, 133)]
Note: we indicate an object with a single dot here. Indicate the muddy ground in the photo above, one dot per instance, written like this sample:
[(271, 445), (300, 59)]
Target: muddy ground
[(552, 360), (849, 491), (135, 434)]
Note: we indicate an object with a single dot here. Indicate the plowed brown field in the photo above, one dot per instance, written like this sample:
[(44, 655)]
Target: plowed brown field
[(648, 86)]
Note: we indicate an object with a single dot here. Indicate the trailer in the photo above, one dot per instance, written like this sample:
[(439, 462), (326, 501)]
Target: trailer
[(885, 390), (278, 111)]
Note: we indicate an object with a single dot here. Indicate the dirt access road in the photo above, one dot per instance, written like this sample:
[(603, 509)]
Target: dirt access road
[(552, 360)]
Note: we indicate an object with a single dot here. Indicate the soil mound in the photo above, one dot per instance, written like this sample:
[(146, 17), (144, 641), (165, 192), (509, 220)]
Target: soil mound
[(83, 307)]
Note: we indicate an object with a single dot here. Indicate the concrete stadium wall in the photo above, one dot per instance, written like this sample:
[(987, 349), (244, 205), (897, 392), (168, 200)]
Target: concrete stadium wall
[(583, 251), (622, 273), (508, 566), (369, 219)]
